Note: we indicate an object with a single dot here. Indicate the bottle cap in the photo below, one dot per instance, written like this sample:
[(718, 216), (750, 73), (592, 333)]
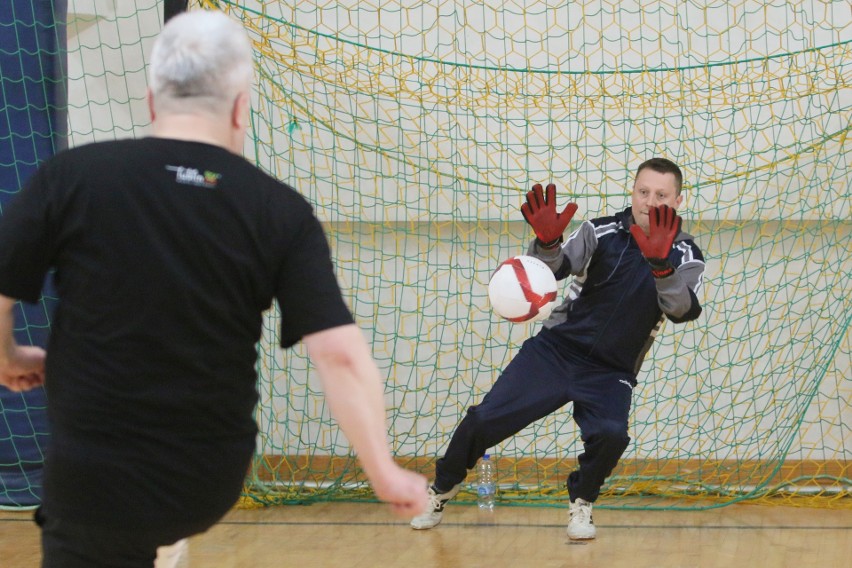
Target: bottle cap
[(486, 457)]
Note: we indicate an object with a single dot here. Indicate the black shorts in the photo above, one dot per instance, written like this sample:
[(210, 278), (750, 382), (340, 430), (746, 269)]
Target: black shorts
[(71, 545)]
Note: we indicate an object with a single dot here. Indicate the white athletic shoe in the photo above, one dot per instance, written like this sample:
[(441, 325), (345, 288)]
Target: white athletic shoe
[(580, 523), (435, 512), (172, 556)]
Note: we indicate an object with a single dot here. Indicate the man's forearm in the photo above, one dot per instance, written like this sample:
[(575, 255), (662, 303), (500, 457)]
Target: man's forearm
[(353, 389), (572, 256), (7, 322), (676, 293)]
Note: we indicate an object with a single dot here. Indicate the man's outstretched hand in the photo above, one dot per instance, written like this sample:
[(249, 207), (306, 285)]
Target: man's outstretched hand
[(540, 212), (665, 225)]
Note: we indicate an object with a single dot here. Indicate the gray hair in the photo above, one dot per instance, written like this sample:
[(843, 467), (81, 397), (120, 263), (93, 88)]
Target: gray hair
[(201, 60)]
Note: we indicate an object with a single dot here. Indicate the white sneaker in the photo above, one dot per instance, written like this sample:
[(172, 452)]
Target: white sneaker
[(435, 512), (172, 556), (580, 523)]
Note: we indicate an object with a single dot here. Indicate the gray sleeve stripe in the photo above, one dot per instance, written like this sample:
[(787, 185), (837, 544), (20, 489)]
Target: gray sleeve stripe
[(580, 247), (605, 229), (693, 274), (688, 255)]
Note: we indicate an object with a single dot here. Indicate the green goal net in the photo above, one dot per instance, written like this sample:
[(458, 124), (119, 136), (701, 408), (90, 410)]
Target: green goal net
[(415, 129)]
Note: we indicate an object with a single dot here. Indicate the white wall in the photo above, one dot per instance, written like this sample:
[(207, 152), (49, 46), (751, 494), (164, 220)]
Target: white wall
[(108, 45)]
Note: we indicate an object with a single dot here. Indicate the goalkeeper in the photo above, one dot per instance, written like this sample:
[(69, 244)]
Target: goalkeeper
[(167, 250), (631, 271)]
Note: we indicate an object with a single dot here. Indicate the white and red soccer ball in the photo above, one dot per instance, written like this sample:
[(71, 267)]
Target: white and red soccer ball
[(522, 289)]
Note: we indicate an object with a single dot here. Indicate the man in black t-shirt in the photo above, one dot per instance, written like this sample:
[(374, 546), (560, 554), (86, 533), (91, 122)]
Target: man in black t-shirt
[(166, 251)]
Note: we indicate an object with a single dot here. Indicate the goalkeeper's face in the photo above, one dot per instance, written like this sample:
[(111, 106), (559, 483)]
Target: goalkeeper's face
[(652, 189)]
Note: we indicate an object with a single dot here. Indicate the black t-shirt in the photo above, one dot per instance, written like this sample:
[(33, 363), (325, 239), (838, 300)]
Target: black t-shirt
[(166, 253)]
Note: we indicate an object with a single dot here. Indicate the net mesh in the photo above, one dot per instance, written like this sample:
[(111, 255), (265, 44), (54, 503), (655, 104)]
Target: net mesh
[(415, 128)]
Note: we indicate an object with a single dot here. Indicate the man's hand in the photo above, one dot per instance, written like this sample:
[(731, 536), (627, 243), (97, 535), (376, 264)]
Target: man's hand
[(540, 212), (404, 490), (665, 225), (24, 368)]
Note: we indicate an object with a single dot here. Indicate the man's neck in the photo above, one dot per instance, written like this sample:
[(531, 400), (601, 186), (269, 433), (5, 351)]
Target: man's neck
[(193, 128)]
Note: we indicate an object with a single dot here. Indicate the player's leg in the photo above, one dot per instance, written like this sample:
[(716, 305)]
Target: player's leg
[(71, 545), (533, 385), (65, 545), (602, 401)]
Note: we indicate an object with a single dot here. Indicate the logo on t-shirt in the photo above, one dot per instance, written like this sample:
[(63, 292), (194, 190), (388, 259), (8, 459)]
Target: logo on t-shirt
[(191, 176)]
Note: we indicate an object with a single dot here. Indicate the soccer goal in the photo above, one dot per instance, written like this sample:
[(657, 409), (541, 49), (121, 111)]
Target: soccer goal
[(417, 127)]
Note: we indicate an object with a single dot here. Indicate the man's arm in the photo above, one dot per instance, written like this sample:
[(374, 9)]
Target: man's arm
[(21, 367), (353, 388), (676, 287), (572, 256), (676, 294), (539, 211)]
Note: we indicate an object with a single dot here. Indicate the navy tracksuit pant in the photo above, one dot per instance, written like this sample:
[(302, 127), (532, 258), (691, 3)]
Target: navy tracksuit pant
[(540, 379)]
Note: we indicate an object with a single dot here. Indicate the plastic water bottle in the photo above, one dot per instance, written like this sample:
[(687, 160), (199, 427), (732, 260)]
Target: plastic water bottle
[(486, 487)]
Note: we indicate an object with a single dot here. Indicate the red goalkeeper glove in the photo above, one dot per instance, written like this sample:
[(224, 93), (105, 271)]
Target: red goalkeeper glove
[(540, 212), (664, 227)]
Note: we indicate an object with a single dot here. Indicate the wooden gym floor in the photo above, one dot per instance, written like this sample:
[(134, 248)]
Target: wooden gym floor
[(329, 535)]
